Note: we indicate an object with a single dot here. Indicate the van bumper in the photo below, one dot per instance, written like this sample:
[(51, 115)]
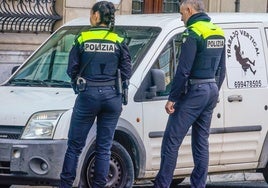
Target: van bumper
[(31, 162)]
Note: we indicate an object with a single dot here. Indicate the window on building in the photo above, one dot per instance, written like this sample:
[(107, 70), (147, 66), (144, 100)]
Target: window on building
[(137, 6), (155, 6), (170, 6)]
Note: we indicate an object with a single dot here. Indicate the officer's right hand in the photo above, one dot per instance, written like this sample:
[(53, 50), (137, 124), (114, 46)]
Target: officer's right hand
[(170, 107)]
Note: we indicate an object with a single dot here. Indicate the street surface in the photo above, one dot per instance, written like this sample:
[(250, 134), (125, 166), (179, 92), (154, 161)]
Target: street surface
[(240, 184), (232, 180)]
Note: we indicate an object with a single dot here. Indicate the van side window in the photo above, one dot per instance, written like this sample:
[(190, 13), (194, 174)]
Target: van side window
[(165, 63), (157, 83)]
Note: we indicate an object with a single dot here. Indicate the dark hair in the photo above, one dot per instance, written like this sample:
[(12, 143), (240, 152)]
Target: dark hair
[(107, 11)]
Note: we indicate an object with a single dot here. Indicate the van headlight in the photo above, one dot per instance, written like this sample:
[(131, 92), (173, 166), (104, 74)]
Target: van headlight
[(42, 125)]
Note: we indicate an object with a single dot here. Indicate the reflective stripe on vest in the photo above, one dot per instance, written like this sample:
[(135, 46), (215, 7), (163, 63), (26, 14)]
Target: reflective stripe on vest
[(206, 29), (99, 35)]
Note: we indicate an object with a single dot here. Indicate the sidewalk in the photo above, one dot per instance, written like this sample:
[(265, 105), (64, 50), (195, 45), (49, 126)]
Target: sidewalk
[(237, 177), (243, 176)]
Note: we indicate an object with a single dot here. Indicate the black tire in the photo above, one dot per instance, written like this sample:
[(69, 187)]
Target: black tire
[(176, 182), (121, 173), (265, 173)]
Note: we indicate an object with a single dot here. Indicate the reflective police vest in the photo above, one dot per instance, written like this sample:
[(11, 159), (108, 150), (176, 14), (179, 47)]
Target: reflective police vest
[(100, 54), (209, 51)]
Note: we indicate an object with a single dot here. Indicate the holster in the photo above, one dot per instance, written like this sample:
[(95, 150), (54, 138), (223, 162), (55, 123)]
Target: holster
[(122, 88), (125, 96), (125, 92), (119, 82)]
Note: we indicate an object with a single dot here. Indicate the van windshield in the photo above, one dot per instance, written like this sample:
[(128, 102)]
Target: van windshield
[(47, 66)]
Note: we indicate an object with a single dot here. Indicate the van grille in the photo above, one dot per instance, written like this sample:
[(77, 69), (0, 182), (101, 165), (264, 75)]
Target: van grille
[(4, 167), (10, 132)]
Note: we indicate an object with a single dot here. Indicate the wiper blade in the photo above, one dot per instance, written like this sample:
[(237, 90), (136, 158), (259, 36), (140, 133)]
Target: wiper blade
[(47, 83), (27, 82), (58, 83), (20, 80)]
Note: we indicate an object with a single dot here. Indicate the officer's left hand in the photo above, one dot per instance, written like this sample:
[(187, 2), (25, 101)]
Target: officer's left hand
[(170, 107)]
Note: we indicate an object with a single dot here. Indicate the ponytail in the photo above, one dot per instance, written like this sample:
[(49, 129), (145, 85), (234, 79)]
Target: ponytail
[(112, 15)]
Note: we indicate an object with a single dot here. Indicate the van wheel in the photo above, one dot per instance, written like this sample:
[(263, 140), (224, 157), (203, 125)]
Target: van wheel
[(121, 173), (175, 182), (265, 173)]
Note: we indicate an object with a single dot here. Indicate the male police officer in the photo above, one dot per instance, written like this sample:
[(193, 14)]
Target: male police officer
[(201, 61)]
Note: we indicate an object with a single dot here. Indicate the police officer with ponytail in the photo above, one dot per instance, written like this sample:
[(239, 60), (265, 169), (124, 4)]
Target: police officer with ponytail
[(194, 94), (99, 56)]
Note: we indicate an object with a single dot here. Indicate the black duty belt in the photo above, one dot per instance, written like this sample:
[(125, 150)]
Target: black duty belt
[(96, 84), (201, 81)]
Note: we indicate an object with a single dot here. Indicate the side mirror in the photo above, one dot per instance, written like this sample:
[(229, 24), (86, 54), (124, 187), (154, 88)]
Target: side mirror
[(158, 83)]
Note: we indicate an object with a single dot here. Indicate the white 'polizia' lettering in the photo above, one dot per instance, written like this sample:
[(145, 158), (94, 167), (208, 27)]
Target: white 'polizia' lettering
[(99, 47), (215, 43)]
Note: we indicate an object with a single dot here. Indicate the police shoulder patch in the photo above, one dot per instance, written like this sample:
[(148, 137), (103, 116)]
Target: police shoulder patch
[(215, 43), (99, 47)]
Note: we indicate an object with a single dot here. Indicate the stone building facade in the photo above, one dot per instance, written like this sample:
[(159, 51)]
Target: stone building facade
[(16, 46)]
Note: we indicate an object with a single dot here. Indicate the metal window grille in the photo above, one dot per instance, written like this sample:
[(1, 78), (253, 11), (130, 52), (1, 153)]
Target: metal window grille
[(28, 15), (137, 6)]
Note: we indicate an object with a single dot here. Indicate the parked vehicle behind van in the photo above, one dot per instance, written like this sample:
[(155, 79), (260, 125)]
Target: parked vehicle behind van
[(37, 100)]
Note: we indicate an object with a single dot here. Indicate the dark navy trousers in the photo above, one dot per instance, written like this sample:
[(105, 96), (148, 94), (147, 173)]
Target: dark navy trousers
[(192, 110), (104, 104)]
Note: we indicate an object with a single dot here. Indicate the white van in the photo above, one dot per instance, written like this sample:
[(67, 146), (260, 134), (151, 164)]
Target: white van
[(36, 105)]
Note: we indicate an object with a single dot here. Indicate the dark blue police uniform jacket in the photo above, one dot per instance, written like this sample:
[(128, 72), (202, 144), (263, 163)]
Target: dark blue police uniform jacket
[(203, 54), (101, 52)]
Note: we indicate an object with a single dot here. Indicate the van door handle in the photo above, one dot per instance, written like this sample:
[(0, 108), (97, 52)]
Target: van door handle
[(233, 98)]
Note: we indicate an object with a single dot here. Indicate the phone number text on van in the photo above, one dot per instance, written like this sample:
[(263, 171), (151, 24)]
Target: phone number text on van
[(248, 84)]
